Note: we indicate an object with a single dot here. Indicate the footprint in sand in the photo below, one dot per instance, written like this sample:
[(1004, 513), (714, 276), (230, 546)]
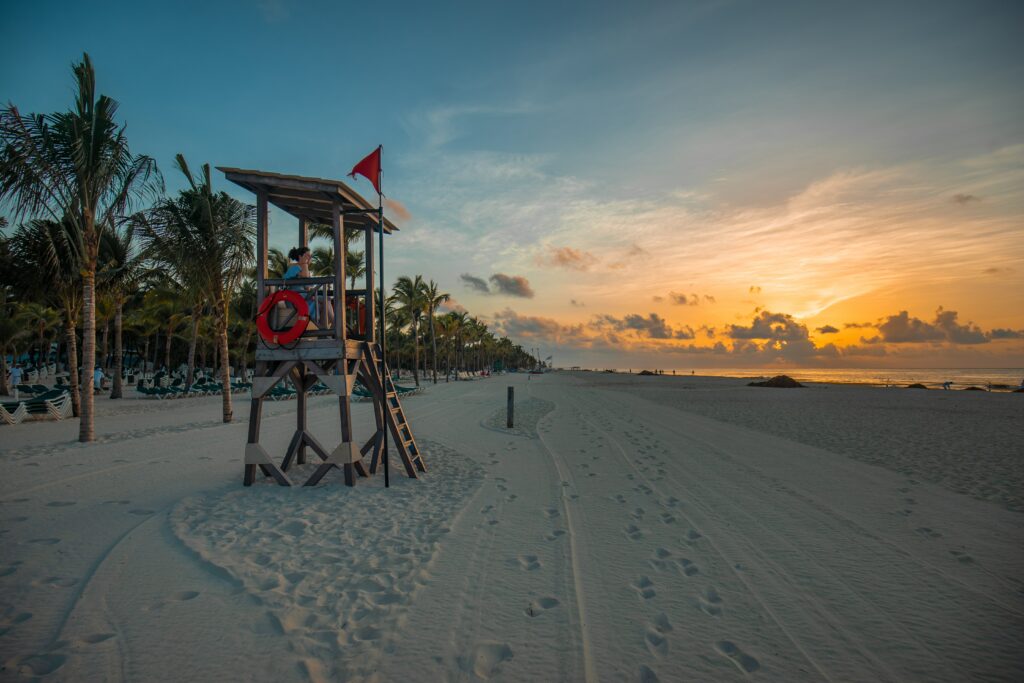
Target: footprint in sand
[(140, 511), (530, 563), (711, 602), (647, 675), (692, 536), (40, 665), (656, 643), (961, 557), (45, 541), (633, 532), (95, 638), (180, 596), (551, 513), (60, 504), (644, 587), (540, 605), (928, 532), (687, 567), (741, 659), (666, 518), (487, 509), (18, 618), (486, 659)]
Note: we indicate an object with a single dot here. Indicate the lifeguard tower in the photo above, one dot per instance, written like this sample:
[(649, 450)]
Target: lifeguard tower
[(340, 349)]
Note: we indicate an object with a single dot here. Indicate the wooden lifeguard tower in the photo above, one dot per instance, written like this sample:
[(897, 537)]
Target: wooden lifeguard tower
[(336, 354)]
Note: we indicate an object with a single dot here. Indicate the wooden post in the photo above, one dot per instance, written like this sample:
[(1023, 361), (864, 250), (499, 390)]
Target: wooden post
[(300, 413), (261, 246), (303, 233), (371, 300), (338, 223), (511, 406)]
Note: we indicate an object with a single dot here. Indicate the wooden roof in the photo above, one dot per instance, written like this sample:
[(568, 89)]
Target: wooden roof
[(309, 198)]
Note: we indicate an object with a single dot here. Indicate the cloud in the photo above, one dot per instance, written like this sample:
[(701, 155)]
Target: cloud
[(512, 285), (572, 259), (827, 329), (515, 326), (652, 325), (857, 325), (1003, 333), (451, 306), (855, 350), (754, 289), (965, 198), (767, 325), (903, 329), (683, 299), (997, 271), (475, 283), (634, 251), (577, 304), (957, 333), (657, 299), (397, 211), (710, 299)]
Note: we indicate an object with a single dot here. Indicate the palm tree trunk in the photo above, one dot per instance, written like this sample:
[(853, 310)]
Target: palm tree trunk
[(433, 343), (4, 389), (192, 346), (106, 347), (225, 372), (167, 350), (415, 354), (115, 390), (86, 428)]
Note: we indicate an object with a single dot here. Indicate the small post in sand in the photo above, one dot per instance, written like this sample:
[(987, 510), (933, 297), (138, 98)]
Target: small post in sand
[(511, 406)]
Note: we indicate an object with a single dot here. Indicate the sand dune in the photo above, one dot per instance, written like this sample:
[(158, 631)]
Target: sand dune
[(626, 529)]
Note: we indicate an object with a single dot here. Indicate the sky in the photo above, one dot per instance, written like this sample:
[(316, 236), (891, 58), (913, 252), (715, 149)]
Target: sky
[(660, 184)]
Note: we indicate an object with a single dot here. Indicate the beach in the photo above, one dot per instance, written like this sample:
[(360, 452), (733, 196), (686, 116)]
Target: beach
[(626, 528)]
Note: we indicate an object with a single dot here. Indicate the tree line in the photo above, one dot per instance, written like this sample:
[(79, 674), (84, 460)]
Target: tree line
[(101, 262)]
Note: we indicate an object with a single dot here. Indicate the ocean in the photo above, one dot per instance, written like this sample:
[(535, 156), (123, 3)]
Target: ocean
[(930, 377)]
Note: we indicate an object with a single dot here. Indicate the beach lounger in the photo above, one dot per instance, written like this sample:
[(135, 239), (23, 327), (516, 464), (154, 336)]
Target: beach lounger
[(12, 412)]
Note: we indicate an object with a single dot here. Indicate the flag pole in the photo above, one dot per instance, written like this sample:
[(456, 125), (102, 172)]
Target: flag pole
[(383, 309)]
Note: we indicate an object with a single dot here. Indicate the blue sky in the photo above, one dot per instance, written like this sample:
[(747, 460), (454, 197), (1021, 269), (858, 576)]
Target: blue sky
[(512, 130)]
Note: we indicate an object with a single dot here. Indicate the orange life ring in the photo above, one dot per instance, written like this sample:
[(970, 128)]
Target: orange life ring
[(301, 319), (355, 307)]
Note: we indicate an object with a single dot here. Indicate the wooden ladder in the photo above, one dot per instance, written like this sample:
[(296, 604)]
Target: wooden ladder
[(394, 414)]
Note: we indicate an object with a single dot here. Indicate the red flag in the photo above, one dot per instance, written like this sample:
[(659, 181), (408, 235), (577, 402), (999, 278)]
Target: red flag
[(369, 168)]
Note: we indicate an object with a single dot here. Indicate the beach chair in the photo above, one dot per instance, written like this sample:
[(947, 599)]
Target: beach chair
[(55, 403), (12, 412)]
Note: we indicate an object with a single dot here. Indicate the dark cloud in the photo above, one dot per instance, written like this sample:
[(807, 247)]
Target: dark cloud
[(512, 285), (1003, 333), (578, 304), (827, 329), (903, 329), (710, 299), (652, 325), (474, 282), (767, 325), (515, 326), (997, 271), (573, 259), (684, 332), (857, 325), (965, 198), (683, 299), (709, 331), (754, 289), (658, 299), (957, 333), (854, 350)]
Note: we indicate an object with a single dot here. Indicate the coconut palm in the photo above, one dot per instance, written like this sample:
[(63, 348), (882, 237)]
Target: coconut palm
[(10, 331), (40, 318), (277, 263), (434, 298), (75, 166), (409, 297), (122, 270), (207, 239), (49, 254)]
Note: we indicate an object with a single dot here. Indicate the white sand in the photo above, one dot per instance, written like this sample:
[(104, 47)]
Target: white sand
[(713, 532)]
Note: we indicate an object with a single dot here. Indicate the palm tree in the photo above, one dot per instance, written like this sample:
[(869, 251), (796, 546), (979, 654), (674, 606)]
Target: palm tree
[(460, 323), (50, 256), (277, 263), (434, 298), (207, 239), (244, 307), (75, 166), (123, 268), (10, 331), (409, 297), (355, 266), (40, 318)]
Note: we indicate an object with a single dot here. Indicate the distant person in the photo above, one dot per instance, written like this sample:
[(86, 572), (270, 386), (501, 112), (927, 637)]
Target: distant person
[(15, 380), (946, 385), (97, 379)]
